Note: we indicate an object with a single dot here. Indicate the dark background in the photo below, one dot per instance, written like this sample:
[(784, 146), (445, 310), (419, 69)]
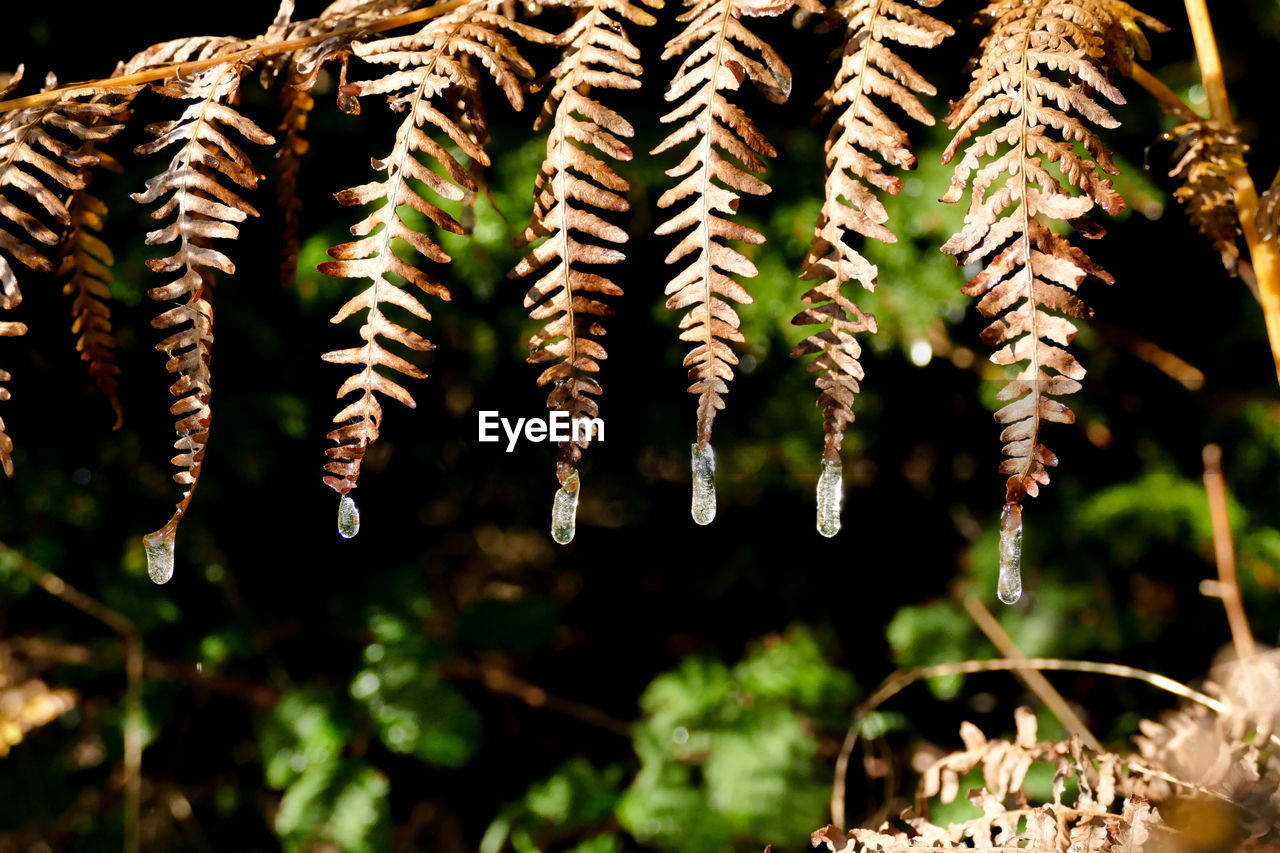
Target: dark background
[(454, 544)]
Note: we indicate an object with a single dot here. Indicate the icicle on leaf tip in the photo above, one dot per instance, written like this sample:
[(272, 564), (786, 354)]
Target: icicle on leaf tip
[(159, 548), (704, 484), (1009, 583), (348, 517), (830, 492), (564, 510)]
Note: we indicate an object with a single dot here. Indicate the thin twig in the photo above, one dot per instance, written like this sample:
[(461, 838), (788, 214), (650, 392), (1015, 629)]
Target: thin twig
[(251, 693), (898, 681), (1033, 679), (1224, 553), (500, 681), (1168, 98), (1264, 253), (131, 640), (255, 50)]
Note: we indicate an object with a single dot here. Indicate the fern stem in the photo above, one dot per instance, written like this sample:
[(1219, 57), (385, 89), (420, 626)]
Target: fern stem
[(1167, 98), (1224, 552), (1264, 253), (257, 51)]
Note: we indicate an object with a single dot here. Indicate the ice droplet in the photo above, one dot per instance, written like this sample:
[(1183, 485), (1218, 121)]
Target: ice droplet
[(830, 491), (1009, 583), (348, 517), (564, 510), (704, 484), (159, 548)]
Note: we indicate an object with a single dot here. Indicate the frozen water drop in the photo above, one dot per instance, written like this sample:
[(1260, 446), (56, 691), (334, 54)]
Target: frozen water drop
[(159, 548), (830, 491), (564, 510), (1009, 583), (348, 517), (704, 484)]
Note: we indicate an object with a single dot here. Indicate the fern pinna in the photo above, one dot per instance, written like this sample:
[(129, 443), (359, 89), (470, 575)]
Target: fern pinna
[(868, 68), (427, 65), (1031, 270), (576, 176), (715, 45)]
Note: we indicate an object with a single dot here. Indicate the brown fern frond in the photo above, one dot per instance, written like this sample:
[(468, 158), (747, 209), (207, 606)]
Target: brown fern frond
[(720, 54), (869, 68), (1204, 157), (1039, 72), (575, 177), (426, 65), (293, 145), (1105, 813), (46, 151), (203, 209), (86, 263)]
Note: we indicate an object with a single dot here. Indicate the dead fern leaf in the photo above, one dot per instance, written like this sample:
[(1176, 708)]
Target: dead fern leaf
[(45, 154), (869, 69), (293, 145), (720, 54), (426, 67), (203, 209), (1204, 157), (575, 177), (1040, 68), (86, 263)]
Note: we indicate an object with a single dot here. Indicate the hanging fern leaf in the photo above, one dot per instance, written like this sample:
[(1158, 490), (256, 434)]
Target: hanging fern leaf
[(1037, 74), (46, 151), (203, 209), (868, 68), (719, 56), (576, 176), (428, 65), (293, 145), (86, 263)]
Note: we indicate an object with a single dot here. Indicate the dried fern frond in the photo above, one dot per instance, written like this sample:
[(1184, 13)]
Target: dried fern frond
[(26, 702), (1038, 75), (203, 209), (575, 177), (868, 68), (719, 56), (293, 145), (1106, 812), (86, 263), (1204, 157), (46, 151), (426, 66)]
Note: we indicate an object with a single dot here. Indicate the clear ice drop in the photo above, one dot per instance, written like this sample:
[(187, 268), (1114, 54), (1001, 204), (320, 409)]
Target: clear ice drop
[(348, 517), (1009, 584), (159, 548), (564, 510), (830, 491), (704, 484)]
